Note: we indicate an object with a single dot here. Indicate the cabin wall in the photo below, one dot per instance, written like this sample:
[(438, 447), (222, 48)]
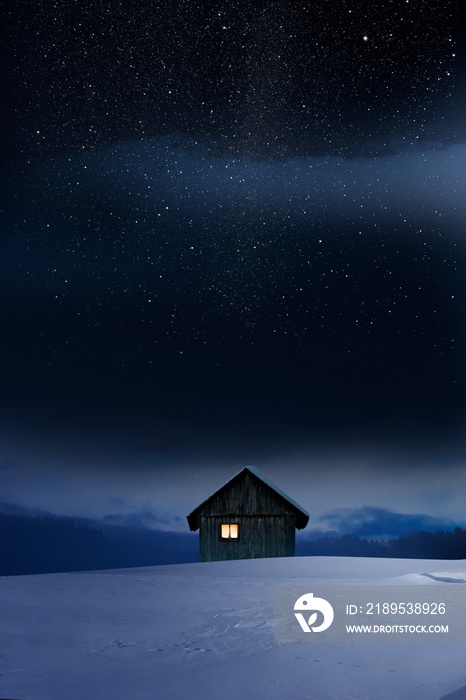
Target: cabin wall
[(266, 522), (271, 536)]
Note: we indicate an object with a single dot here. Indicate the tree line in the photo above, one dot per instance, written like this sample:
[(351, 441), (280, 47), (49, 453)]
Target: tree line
[(420, 544), (45, 544)]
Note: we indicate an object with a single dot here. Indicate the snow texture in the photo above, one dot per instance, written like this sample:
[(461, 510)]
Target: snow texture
[(205, 632)]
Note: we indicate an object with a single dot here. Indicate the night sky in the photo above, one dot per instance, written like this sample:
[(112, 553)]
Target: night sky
[(232, 234)]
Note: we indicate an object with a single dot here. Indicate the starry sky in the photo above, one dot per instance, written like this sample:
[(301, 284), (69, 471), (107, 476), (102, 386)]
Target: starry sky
[(232, 233)]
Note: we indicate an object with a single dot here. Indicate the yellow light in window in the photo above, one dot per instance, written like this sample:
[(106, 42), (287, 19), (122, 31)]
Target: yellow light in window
[(234, 531), (225, 532)]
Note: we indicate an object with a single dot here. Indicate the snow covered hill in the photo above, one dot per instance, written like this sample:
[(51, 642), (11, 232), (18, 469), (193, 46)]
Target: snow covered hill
[(205, 632)]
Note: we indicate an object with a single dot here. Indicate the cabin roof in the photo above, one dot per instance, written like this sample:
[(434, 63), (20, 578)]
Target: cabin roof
[(302, 516)]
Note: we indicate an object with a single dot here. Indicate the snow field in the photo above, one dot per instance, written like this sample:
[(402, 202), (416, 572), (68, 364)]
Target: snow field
[(205, 631)]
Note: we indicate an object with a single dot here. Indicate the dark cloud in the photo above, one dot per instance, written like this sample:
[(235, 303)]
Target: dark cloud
[(143, 521), (369, 521), (146, 519), (17, 509), (14, 509)]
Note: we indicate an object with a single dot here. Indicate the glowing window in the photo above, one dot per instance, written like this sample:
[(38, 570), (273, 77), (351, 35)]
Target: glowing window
[(229, 531)]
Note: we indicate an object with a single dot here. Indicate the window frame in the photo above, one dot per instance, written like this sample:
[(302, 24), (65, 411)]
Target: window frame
[(229, 539)]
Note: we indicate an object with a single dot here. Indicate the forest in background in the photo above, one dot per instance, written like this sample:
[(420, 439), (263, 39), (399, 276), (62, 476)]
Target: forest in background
[(46, 544)]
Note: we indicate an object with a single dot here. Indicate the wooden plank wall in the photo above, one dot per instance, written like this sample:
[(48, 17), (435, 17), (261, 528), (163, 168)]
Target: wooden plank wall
[(271, 536)]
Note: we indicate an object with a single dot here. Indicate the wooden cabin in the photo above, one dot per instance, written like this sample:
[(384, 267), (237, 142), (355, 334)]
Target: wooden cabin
[(247, 518)]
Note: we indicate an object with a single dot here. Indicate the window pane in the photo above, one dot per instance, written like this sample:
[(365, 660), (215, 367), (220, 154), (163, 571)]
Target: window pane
[(225, 532), (234, 531)]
